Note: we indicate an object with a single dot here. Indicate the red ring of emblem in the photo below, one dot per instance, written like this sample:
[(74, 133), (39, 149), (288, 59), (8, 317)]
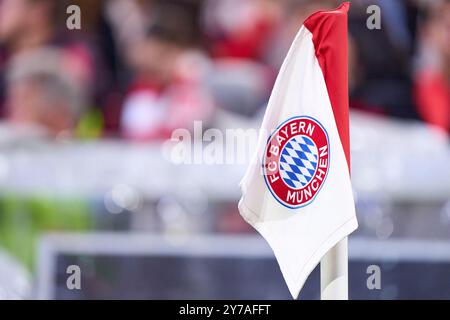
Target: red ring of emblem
[(283, 193)]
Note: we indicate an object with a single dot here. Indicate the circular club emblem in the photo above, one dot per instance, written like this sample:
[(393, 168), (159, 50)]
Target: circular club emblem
[(296, 161)]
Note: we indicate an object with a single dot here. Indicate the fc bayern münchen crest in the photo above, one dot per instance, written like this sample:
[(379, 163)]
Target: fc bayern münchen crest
[(296, 161)]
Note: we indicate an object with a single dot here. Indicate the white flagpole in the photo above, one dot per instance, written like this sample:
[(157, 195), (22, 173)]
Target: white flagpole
[(334, 272)]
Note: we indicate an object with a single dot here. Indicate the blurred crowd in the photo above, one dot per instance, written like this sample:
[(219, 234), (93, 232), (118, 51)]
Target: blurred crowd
[(138, 69)]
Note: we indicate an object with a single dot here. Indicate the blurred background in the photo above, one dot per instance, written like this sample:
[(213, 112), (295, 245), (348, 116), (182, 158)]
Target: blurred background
[(85, 114)]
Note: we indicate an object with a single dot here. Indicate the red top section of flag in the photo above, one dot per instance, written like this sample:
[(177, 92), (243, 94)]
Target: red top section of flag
[(329, 30)]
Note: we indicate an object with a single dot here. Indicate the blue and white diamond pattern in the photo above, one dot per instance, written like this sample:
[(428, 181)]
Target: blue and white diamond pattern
[(298, 161)]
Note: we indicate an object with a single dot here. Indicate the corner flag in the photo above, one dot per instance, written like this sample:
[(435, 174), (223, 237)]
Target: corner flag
[(297, 191)]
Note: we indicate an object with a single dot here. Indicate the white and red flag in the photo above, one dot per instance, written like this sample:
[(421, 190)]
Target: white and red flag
[(297, 192)]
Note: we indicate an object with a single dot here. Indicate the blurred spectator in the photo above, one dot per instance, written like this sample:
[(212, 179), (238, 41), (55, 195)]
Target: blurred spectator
[(240, 80), (40, 98), (24, 24), (126, 21), (399, 20), (245, 32), (28, 25), (168, 90), (432, 76), (380, 80)]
